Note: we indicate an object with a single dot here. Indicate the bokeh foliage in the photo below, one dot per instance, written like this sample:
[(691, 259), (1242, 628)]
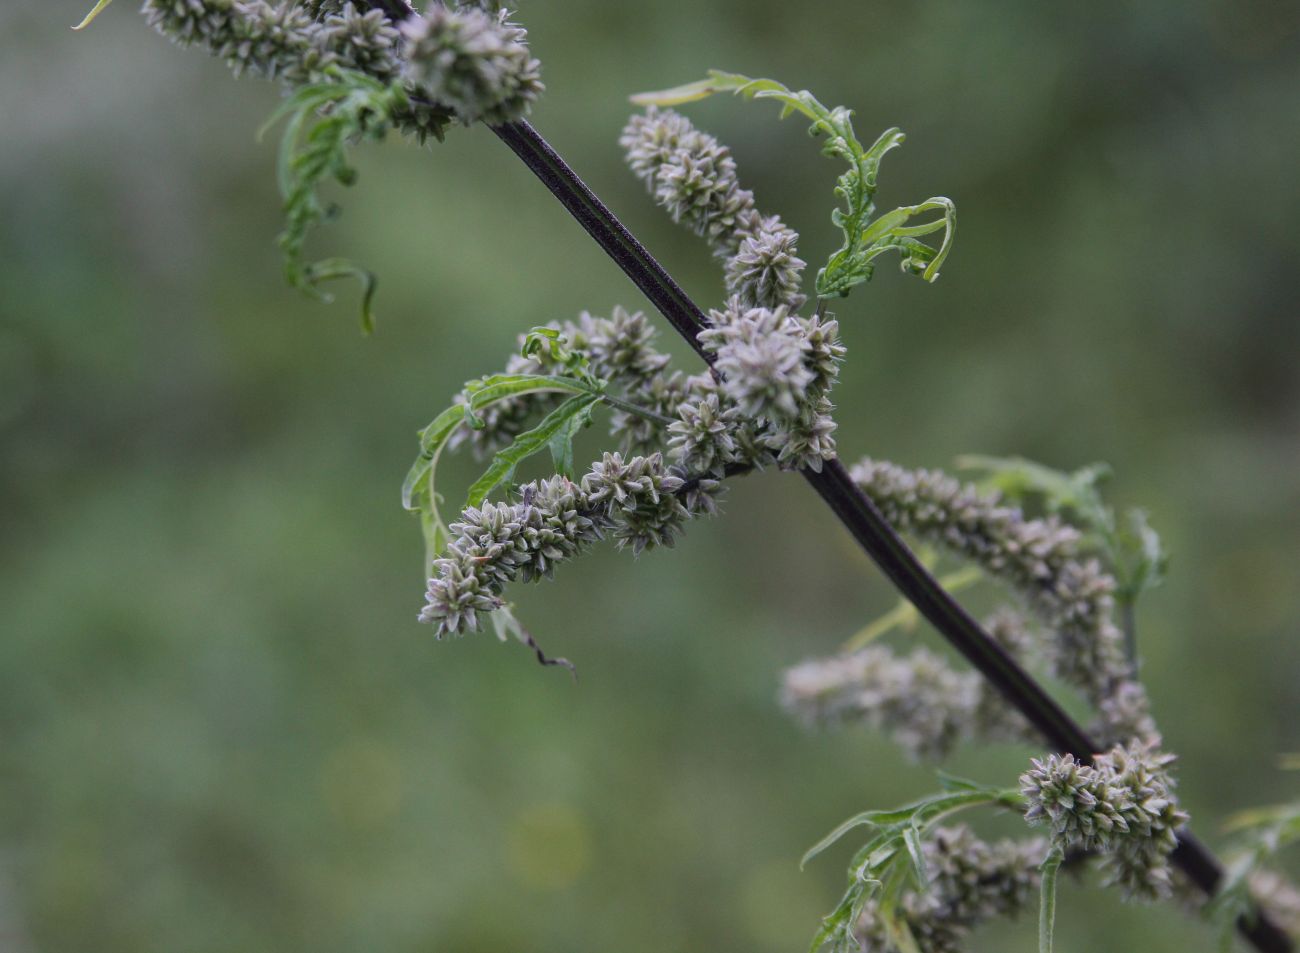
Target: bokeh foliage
[(223, 729)]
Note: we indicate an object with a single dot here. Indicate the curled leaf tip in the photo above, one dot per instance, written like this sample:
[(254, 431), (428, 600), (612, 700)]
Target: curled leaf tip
[(89, 18)]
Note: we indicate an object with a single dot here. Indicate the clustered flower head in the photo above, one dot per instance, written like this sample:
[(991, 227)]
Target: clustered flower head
[(920, 701), (1122, 806), (693, 177), (1040, 559), (467, 61), (475, 63), (291, 42), (777, 368), (635, 500), (971, 881)]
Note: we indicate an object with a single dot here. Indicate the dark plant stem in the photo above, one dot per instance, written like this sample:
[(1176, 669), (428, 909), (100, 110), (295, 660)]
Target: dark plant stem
[(850, 504), (861, 516)]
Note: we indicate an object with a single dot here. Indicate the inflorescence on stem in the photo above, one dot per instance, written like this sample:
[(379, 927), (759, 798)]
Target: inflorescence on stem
[(355, 70)]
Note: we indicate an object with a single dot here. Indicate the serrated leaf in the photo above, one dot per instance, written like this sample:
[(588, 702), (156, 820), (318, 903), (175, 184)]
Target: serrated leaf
[(864, 240), (324, 118), (503, 464)]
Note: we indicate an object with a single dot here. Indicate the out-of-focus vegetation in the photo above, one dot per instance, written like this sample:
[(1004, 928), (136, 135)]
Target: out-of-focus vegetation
[(222, 727)]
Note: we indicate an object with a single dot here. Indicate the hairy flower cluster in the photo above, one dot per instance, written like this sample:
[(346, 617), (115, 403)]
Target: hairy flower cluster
[(777, 369), (1037, 557), (971, 882), (474, 63), (920, 701), (363, 41), (290, 42), (693, 177), (1122, 805), (463, 62), (635, 500)]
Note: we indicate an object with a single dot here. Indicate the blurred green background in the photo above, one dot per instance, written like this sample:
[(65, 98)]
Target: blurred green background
[(223, 729)]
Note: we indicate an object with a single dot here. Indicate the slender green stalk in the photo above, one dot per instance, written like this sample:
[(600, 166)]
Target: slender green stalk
[(1047, 901), (632, 408)]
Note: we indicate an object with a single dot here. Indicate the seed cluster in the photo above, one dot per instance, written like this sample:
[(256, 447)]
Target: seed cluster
[(1122, 806), (462, 62), (474, 63), (918, 699), (639, 501), (693, 177), (1039, 558), (971, 881)]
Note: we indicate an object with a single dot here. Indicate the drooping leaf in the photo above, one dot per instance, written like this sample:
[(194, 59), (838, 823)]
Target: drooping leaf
[(329, 269), (323, 119)]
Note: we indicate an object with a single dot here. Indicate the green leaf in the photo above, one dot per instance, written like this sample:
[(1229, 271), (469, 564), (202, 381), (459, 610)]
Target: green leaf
[(503, 465), (1018, 478), (419, 489), (1132, 551), (866, 818), (1047, 898), (487, 390), (329, 269), (916, 853), (89, 18), (924, 813), (323, 119), (864, 240), (561, 445)]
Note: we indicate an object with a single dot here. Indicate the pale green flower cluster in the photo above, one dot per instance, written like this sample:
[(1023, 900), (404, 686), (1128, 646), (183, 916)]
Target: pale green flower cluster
[(462, 62), (971, 882), (918, 699), (1038, 558), (693, 177), (474, 63), (1122, 806), (640, 502)]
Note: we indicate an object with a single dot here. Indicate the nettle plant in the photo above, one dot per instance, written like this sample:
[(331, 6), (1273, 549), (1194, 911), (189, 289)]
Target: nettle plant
[(1070, 567)]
